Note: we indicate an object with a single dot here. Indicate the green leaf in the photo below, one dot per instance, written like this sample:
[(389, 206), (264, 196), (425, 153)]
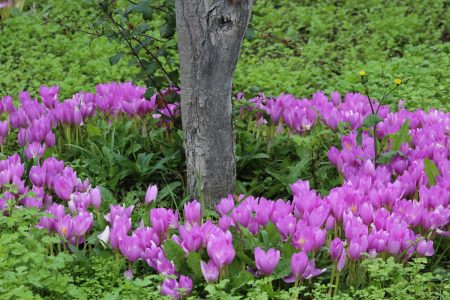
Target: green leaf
[(247, 260), (167, 30), (235, 267), (176, 254), (288, 250), (283, 268), (193, 261), (115, 58), (344, 127), (241, 279), (431, 170), (93, 130), (168, 189), (149, 93), (401, 136), (359, 137), (273, 234), (371, 120), (250, 34), (141, 28), (387, 157), (142, 7)]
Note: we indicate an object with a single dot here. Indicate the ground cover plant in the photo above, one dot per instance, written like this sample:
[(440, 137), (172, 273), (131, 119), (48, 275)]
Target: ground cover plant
[(304, 46), (340, 195), (394, 206), (43, 44), (294, 47)]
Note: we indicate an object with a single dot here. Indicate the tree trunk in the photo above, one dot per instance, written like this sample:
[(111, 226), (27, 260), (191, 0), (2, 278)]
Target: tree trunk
[(210, 34)]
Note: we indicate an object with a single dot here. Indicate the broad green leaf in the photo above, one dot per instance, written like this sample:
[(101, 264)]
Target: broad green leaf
[(143, 7), (371, 120), (247, 260), (273, 234), (241, 279), (401, 136), (287, 250), (167, 30), (193, 261), (149, 93), (115, 58), (283, 268), (387, 157), (176, 254), (431, 170)]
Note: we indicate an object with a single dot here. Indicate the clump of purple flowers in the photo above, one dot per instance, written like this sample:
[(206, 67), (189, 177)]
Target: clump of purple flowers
[(391, 209)]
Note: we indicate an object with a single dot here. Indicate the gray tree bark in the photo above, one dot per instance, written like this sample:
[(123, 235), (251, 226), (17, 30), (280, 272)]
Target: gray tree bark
[(210, 34)]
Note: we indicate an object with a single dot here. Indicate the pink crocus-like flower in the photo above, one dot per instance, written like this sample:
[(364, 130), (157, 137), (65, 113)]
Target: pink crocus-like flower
[(266, 261), (4, 128), (162, 219), (128, 274), (193, 212), (176, 289), (82, 223), (221, 251), (37, 176), (337, 253), (4, 4), (299, 263), (210, 271), (129, 247), (117, 211), (96, 198), (191, 236), (35, 150), (286, 226), (64, 226), (63, 187), (151, 194), (425, 248)]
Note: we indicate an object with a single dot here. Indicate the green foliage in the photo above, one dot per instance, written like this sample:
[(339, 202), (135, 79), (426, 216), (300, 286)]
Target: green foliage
[(431, 170), (267, 163), (305, 46), (125, 158), (146, 29), (27, 271), (36, 49), (101, 277), (386, 280)]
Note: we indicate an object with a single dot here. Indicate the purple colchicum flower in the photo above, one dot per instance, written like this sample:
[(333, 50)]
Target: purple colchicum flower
[(81, 224), (96, 198), (221, 251), (299, 263), (176, 289), (389, 209), (151, 194), (210, 271), (337, 253), (128, 274), (64, 226), (129, 247), (266, 261), (425, 248), (193, 212)]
